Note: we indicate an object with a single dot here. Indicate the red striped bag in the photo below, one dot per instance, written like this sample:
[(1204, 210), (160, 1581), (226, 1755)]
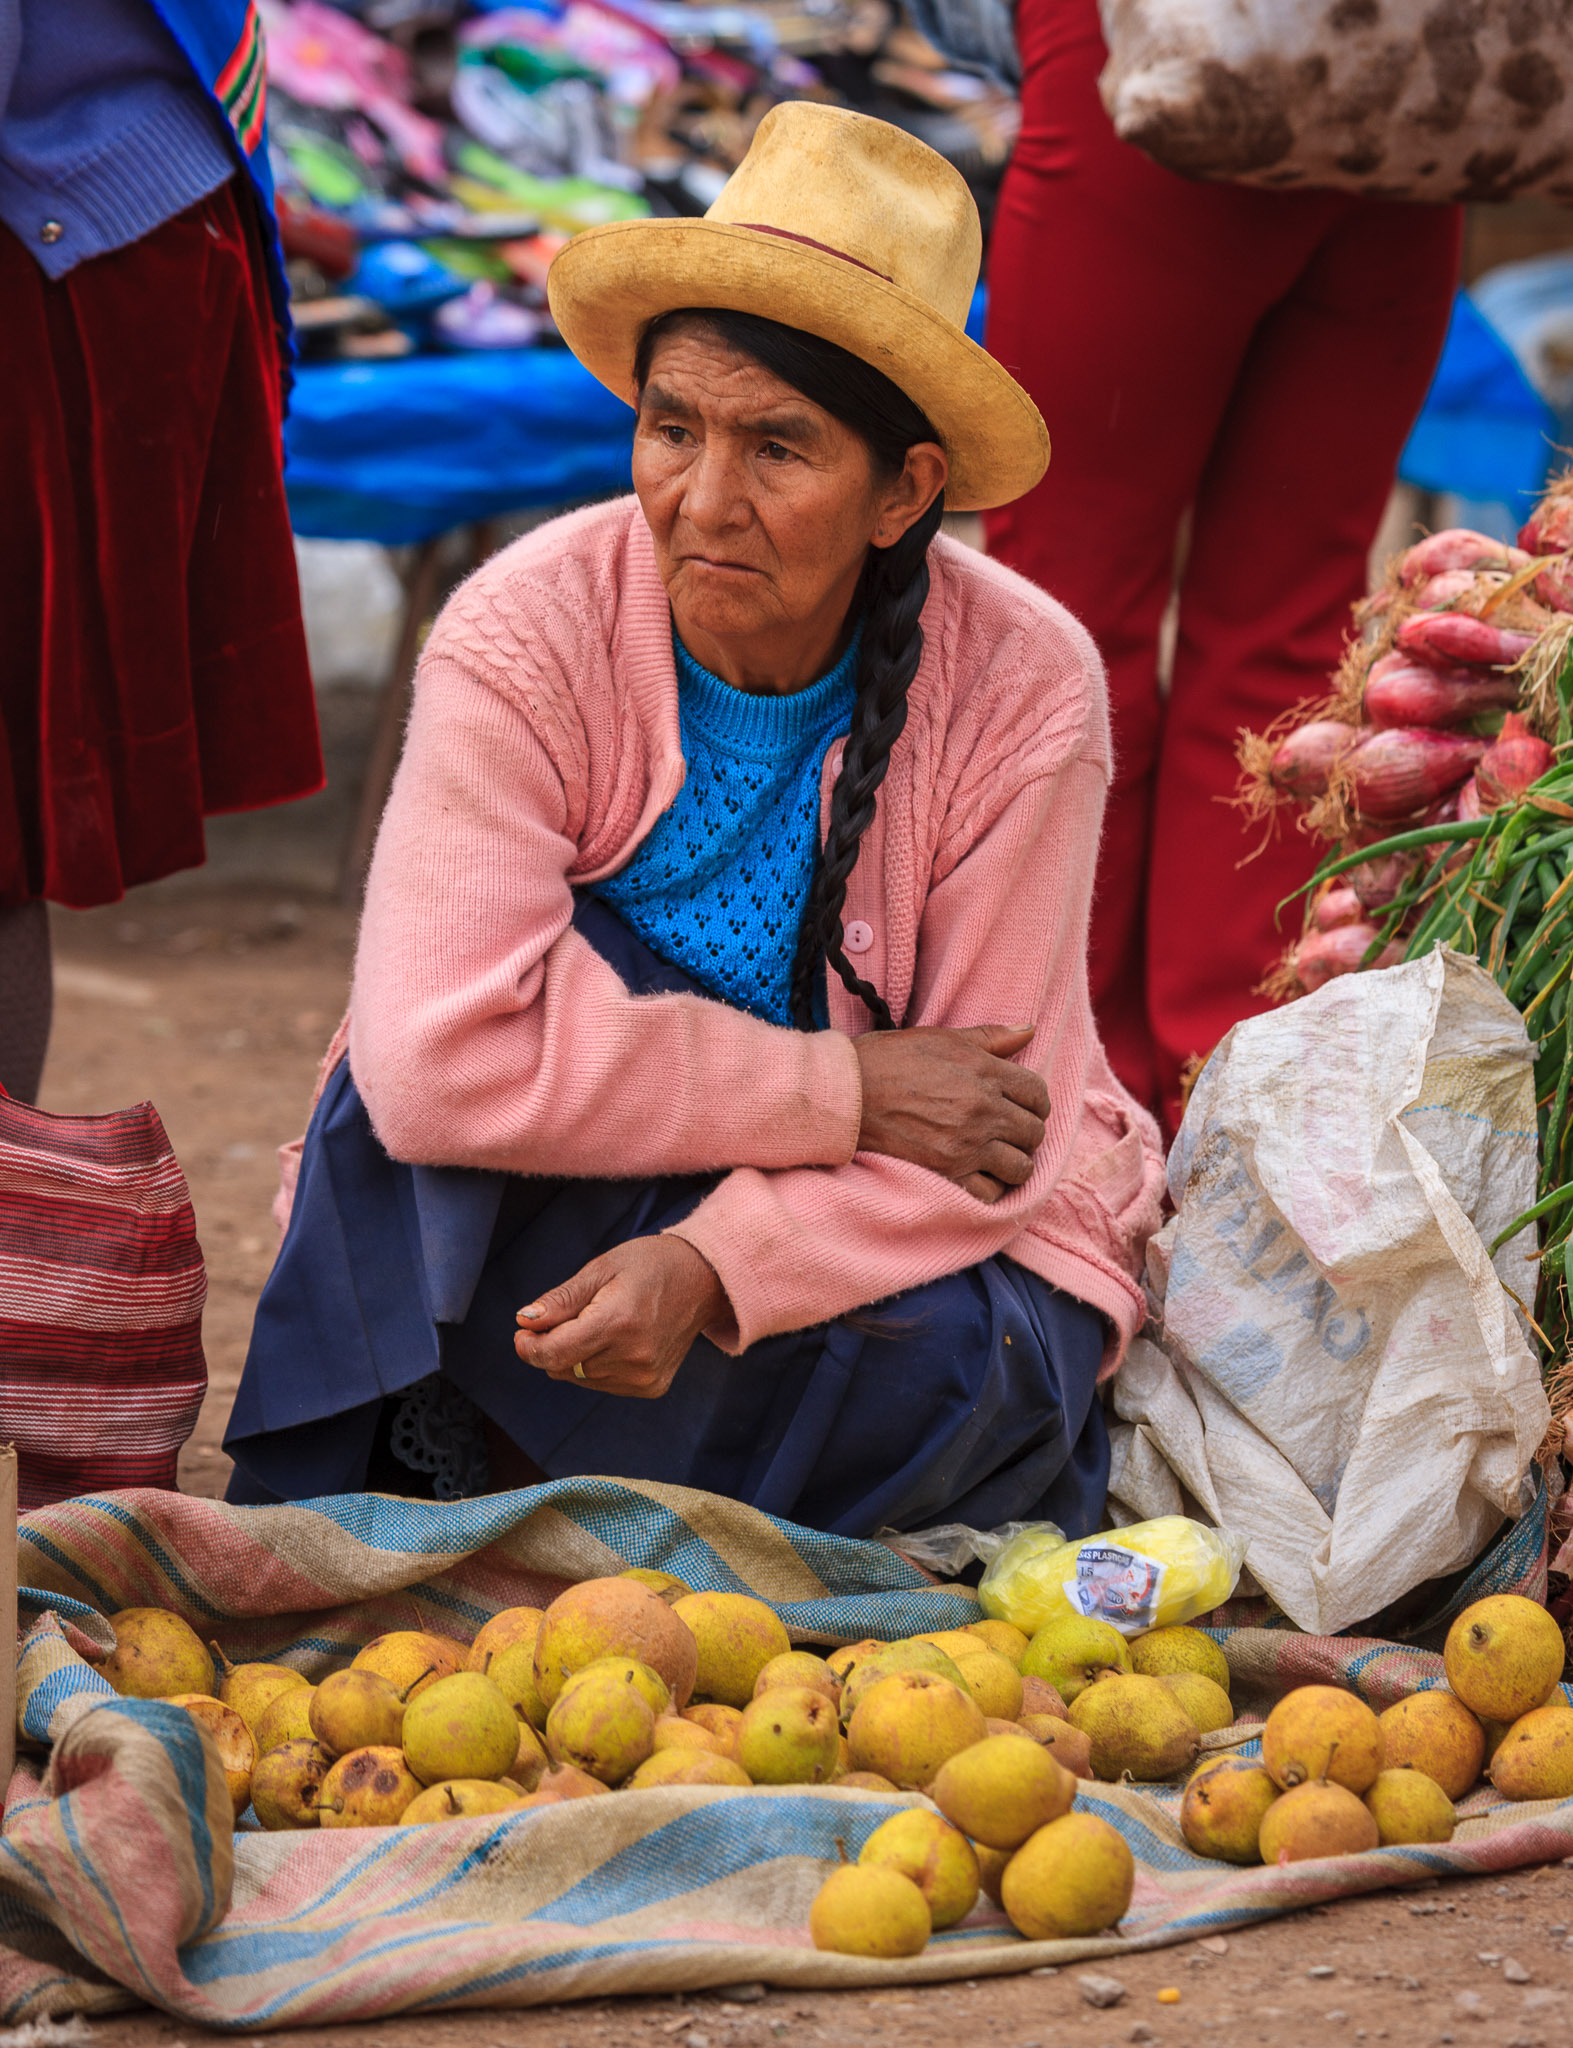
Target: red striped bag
[(101, 1293)]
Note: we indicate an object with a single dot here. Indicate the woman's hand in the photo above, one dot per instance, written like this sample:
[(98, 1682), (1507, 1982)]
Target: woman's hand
[(626, 1319), (955, 1102)]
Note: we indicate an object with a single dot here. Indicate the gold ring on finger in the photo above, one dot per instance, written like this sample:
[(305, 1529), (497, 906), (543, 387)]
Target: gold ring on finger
[(578, 1371)]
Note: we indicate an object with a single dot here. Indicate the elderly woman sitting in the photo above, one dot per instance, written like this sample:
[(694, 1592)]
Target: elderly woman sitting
[(722, 1103)]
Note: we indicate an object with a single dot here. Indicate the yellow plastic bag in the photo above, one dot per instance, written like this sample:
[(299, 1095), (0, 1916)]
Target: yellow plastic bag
[(1151, 1575)]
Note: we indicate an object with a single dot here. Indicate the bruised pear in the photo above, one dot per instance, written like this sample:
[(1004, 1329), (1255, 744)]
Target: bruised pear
[(906, 1726), (790, 1736), (870, 1909), (736, 1636), (1435, 1733), (993, 1681), (1136, 1725), (453, 1798), (561, 1781), (1039, 1697), (724, 1723), (356, 1710), (800, 1667), (1067, 1745), (530, 1759), (601, 1724), (1072, 1878), (1224, 1804), (512, 1625), (286, 1783), (369, 1788), (939, 1860), (461, 1727), (237, 1751), (1321, 1731), (249, 1688), (1534, 1760), (1206, 1703), (1503, 1656), (614, 1618), (156, 1655), (1165, 1650), (687, 1767), (1407, 1806), (410, 1659), (286, 1718), (1002, 1790), (1315, 1820), (1074, 1651)]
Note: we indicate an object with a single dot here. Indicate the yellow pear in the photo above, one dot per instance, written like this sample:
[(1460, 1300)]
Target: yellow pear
[(1163, 1650), (906, 1726), (1072, 1878), (1435, 1733), (356, 1710), (1407, 1806), (287, 1718), (672, 1731), (286, 1783), (1321, 1731), (462, 1727), (512, 1625), (736, 1637), (939, 1860), (1503, 1656), (248, 1688), (1003, 1636), (1222, 1809), (687, 1767), (1534, 1760), (661, 1584), (790, 1736), (1314, 1820), (650, 1685), (1002, 1790), (561, 1781), (917, 1653), (156, 1655), (955, 1642), (991, 1870), (614, 1618), (993, 1681), (845, 1660), (1136, 1725), (410, 1659), (453, 1798), (237, 1750), (531, 1759), (869, 1909), (863, 1781), (1073, 1651), (1206, 1703), (724, 1723), (601, 1724), (369, 1788), (800, 1667), (512, 1670)]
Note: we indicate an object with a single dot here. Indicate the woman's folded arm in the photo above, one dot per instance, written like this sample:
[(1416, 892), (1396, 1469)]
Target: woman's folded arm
[(486, 1032)]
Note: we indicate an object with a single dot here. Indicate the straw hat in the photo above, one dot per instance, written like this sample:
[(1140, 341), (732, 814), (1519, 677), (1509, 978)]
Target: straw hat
[(845, 227)]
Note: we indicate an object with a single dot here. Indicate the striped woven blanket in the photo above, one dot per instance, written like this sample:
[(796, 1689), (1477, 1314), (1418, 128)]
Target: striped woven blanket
[(121, 1879)]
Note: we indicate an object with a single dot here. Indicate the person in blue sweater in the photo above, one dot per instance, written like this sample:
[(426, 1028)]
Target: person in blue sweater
[(155, 663)]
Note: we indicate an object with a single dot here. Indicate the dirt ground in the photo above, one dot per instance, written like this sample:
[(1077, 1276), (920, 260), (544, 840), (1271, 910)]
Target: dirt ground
[(216, 1008)]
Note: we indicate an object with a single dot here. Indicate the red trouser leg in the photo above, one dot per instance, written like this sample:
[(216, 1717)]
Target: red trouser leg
[(1155, 321)]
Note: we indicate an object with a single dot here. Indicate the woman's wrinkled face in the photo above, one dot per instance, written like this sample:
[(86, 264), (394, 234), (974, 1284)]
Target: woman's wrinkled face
[(762, 506)]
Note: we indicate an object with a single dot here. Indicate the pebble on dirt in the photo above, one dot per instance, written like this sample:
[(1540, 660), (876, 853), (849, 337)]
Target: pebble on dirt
[(1101, 1990)]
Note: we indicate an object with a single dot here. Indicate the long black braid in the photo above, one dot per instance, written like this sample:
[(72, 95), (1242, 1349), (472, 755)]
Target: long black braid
[(890, 601)]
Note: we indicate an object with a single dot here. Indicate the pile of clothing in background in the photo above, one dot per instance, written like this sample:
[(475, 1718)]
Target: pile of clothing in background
[(432, 156)]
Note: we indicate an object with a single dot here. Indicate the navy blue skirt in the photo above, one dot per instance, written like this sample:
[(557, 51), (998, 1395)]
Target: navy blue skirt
[(972, 1399)]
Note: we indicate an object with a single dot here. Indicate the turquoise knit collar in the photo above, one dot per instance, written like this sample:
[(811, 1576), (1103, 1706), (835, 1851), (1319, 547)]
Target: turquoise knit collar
[(765, 726)]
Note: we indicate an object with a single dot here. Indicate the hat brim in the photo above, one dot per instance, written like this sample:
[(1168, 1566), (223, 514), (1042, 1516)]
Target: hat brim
[(609, 283)]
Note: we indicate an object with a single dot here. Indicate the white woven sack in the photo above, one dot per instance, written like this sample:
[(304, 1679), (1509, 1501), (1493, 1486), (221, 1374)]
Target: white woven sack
[(1399, 99), (1342, 1377)]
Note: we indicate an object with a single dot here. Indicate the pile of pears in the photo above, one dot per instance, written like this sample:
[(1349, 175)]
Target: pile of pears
[(636, 1680)]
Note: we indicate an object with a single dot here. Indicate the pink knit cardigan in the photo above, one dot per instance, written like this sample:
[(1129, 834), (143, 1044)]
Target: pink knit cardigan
[(544, 744)]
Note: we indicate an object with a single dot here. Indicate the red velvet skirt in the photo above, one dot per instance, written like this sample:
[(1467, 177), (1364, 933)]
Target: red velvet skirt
[(154, 667)]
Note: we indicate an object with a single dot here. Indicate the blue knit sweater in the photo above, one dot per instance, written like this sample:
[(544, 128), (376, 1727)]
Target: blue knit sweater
[(719, 886)]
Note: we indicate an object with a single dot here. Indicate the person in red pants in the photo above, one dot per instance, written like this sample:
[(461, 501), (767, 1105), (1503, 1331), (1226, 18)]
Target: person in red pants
[(1257, 357)]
